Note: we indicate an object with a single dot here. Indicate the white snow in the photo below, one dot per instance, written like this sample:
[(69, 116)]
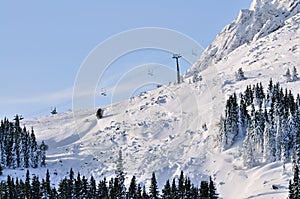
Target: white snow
[(161, 130)]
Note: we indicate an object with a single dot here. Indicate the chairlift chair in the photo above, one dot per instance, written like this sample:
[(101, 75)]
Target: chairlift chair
[(53, 112)]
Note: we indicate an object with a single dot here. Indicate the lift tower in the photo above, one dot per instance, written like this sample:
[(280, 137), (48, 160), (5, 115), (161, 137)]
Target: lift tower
[(177, 56)]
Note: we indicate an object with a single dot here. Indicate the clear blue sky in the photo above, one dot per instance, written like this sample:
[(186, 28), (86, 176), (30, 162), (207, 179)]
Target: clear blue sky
[(43, 43)]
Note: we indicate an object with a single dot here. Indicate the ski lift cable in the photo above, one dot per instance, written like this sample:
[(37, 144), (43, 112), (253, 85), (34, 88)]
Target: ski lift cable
[(150, 71)]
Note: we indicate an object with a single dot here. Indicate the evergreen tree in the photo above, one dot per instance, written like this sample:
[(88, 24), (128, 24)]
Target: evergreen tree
[(70, 184), (43, 148), (295, 74), (35, 187), (77, 186), (174, 190), (33, 151), (139, 192), (47, 183), (212, 190), (54, 194), (144, 194), (25, 148), (153, 193), (92, 189), (204, 190), (243, 117), (239, 75), (84, 187), (166, 191), (102, 189), (27, 185), (288, 75), (63, 189), (132, 191), (291, 193), (296, 190), (231, 121), (120, 176), (248, 157), (188, 188), (181, 187)]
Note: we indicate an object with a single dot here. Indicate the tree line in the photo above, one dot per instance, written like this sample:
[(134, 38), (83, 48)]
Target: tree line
[(72, 187), (18, 146), (267, 122), (75, 187)]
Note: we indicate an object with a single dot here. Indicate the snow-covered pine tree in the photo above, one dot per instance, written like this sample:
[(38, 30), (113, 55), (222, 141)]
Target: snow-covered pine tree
[(295, 186), (248, 156), (269, 141), (120, 175), (153, 192), (26, 148), (132, 190), (231, 120), (166, 191), (92, 188), (33, 150), (296, 144), (17, 142), (288, 75), (43, 148), (204, 189), (248, 96), (240, 75), (243, 117), (212, 189), (295, 74)]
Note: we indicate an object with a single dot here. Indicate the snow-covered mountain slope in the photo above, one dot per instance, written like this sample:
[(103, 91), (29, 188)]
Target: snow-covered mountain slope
[(263, 18), (163, 130)]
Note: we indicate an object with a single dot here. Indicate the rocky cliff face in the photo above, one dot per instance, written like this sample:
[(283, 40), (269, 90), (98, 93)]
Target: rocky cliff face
[(262, 18)]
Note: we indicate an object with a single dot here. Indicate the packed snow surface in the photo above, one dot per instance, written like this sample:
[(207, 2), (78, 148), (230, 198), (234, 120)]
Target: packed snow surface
[(164, 130)]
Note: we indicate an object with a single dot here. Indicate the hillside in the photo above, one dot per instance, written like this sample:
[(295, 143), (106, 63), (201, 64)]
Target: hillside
[(163, 130), (263, 18)]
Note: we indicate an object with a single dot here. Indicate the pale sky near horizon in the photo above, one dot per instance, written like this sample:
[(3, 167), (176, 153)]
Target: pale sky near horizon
[(43, 43)]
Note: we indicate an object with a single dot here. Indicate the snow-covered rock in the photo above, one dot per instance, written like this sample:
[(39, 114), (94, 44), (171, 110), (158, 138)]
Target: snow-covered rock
[(263, 18)]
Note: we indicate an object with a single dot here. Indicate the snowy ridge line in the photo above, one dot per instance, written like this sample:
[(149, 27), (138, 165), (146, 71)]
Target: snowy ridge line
[(263, 18)]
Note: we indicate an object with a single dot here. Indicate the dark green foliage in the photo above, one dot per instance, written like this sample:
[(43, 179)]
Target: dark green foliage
[(144, 194), (174, 191), (189, 190), (153, 193), (132, 190), (35, 187), (181, 187), (204, 190), (268, 122), (18, 147), (294, 188), (139, 192), (92, 189), (120, 177), (102, 191), (82, 187), (166, 192)]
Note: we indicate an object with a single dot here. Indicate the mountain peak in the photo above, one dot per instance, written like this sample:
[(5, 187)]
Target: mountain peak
[(278, 4), (261, 19)]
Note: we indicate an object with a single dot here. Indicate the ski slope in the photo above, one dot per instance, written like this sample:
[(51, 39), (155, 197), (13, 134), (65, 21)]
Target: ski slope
[(163, 130)]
